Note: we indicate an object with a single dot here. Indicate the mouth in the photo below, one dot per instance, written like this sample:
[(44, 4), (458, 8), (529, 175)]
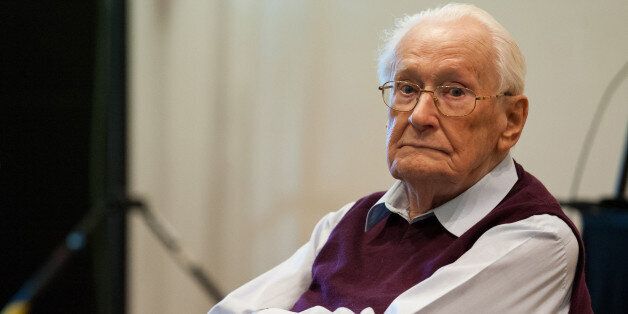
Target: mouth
[(423, 147)]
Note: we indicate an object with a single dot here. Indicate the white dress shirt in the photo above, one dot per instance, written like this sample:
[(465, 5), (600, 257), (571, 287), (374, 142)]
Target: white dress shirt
[(522, 267)]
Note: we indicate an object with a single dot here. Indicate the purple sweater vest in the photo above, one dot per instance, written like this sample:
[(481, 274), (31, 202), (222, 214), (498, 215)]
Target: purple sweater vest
[(357, 269)]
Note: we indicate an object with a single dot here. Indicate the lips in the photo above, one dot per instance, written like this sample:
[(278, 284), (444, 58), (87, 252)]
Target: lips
[(423, 146)]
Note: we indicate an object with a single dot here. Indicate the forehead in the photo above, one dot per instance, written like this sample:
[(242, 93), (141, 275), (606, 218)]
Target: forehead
[(460, 47)]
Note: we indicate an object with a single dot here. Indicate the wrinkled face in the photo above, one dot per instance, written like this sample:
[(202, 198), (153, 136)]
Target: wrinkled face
[(423, 145)]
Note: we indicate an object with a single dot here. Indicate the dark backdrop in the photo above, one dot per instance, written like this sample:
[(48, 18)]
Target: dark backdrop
[(46, 91)]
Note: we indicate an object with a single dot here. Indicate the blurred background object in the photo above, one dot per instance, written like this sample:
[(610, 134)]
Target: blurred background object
[(47, 59)]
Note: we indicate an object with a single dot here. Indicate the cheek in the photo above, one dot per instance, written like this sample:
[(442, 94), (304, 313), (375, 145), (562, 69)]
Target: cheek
[(389, 129), (394, 130), (478, 139), (489, 128), (390, 141)]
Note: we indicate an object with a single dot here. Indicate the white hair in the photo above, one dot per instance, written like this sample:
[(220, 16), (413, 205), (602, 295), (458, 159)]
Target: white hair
[(509, 64)]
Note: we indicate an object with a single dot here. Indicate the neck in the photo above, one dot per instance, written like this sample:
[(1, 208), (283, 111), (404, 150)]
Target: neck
[(422, 200), (426, 194)]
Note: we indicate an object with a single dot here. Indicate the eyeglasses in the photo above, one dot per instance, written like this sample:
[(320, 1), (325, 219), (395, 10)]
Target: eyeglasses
[(450, 100)]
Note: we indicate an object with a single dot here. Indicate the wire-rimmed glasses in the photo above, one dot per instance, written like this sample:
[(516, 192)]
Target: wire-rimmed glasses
[(450, 100)]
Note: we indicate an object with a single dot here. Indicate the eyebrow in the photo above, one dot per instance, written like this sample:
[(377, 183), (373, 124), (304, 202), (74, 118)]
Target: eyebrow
[(405, 69), (402, 67), (460, 74)]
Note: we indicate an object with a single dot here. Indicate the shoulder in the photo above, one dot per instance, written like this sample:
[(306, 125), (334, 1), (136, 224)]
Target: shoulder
[(529, 190)]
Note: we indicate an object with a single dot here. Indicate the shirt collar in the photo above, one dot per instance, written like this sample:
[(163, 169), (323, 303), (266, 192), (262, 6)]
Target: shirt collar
[(460, 213)]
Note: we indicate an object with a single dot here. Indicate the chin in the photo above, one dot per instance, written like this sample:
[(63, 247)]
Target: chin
[(413, 170)]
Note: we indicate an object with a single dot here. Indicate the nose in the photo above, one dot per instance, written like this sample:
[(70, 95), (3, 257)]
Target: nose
[(425, 114)]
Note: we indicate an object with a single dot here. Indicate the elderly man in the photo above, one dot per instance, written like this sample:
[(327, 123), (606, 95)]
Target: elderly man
[(464, 229)]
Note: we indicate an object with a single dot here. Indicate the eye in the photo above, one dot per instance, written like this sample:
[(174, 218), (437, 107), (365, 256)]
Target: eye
[(454, 91), (406, 89)]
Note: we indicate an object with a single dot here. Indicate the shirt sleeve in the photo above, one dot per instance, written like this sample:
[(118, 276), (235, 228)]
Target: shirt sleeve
[(281, 286), (523, 267)]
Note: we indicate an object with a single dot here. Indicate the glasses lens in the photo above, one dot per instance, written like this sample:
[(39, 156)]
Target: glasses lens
[(455, 100), (387, 93), (400, 96)]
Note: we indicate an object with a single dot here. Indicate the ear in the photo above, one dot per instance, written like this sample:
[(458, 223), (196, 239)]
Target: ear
[(516, 110)]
